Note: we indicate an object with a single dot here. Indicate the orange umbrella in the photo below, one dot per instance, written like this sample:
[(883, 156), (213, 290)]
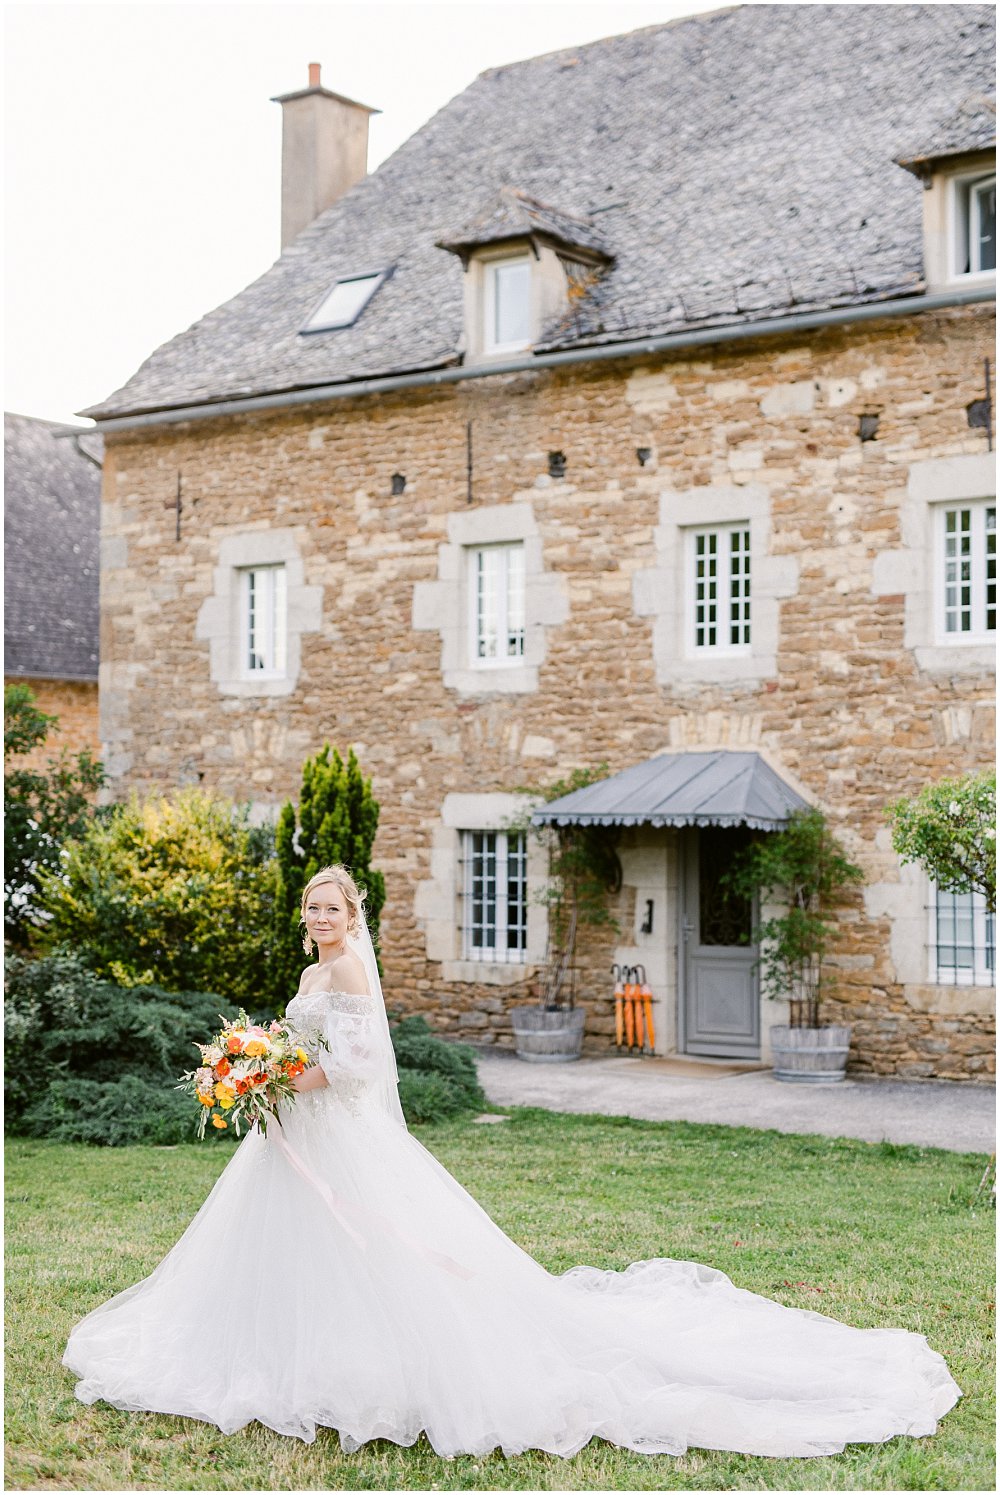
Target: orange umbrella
[(646, 993), (629, 1008), (637, 1006), (616, 971)]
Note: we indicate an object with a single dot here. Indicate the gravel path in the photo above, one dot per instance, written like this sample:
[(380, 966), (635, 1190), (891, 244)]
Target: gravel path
[(927, 1113)]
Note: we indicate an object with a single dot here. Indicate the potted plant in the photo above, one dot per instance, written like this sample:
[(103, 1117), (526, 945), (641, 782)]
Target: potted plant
[(583, 869), (804, 867)]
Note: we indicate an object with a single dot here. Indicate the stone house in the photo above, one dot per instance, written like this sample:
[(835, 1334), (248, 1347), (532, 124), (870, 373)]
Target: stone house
[(636, 409), (52, 511)]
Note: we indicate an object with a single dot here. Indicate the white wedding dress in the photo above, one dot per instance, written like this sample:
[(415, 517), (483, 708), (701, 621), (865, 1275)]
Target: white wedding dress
[(337, 1276)]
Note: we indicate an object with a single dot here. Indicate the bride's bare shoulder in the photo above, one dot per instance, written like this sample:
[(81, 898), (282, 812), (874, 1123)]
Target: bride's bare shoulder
[(347, 974)]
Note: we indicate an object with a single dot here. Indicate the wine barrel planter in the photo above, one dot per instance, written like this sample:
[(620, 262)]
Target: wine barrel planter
[(548, 1036), (810, 1056)]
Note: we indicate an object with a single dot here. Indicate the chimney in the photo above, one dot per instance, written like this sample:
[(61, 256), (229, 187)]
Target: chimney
[(324, 151)]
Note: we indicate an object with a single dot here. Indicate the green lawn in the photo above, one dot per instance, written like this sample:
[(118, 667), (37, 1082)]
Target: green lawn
[(872, 1234)]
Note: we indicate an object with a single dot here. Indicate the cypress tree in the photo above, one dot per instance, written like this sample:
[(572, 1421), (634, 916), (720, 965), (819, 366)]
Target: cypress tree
[(336, 823)]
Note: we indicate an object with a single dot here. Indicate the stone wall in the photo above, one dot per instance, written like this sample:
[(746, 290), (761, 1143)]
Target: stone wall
[(837, 700), (74, 702)]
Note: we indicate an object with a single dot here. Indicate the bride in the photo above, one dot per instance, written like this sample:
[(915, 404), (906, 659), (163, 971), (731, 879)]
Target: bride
[(338, 1276)]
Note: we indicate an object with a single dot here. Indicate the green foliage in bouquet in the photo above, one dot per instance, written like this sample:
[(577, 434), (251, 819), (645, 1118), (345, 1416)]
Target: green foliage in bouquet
[(43, 807), (336, 822), (88, 1061), (949, 828), (436, 1079), (172, 890)]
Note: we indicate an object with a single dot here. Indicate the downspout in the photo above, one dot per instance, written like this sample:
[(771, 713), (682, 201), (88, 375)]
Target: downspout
[(638, 347)]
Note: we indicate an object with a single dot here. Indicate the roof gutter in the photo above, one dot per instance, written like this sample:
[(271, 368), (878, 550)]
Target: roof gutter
[(637, 347)]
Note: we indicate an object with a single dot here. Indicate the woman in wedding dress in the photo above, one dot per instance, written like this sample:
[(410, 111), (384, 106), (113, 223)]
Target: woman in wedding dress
[(337, 1276)]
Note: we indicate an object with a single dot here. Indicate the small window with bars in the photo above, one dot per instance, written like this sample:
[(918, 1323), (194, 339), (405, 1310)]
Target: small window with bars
[(720, 588), (497, 597), (494, 896), (263, 607), (963, 933), (968, 572)]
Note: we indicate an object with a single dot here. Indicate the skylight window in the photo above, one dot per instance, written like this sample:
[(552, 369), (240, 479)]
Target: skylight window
[(342, 305)]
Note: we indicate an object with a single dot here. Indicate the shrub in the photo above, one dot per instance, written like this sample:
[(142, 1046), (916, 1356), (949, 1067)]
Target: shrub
[(43, 807), (336, 823), (949, 828), (174, 891), (109, 1054), (111, 1113), (436, 1079)]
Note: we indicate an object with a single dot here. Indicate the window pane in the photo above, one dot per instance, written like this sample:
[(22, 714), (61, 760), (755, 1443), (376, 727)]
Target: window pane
[(511, 303), (264, 620), (495, 912), (991, 570), (965, 939), (958, 571), (497, 579), (721, 588), (515, 600), (984, 226), (343, 303)]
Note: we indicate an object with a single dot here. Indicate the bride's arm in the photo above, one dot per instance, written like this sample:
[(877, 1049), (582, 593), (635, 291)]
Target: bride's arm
[(312, 1078)]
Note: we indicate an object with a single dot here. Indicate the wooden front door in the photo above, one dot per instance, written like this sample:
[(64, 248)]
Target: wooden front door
[(720, 1002)]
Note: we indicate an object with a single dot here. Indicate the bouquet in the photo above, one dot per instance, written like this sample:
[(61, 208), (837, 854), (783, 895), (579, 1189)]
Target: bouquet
[(245, 1071)]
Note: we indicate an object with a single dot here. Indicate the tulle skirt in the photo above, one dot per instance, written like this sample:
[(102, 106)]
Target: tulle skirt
[(337, 1276)]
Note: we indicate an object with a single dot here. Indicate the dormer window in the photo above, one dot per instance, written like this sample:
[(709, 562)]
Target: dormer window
[(507, 305), (344, 302), (957, 167), (975, 209), (527, 265)]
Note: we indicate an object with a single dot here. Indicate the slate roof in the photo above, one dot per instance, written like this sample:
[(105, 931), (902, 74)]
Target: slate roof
[(737, 164), (51, 546), (970, 127), (717, 788), (513, 214)]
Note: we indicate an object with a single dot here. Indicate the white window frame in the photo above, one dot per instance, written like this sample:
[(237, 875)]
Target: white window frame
[(960, 225), (982, 569), (510, 617), (507, 846), (491, 269), (724, 555), (981, 972), (263, 602)]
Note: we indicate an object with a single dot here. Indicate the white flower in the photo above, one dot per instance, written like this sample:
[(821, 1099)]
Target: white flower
[(954, 808), (203, 1078), (212, 1054)]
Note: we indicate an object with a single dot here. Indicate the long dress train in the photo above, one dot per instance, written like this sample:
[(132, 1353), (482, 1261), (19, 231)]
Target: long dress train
[(337, 1276)]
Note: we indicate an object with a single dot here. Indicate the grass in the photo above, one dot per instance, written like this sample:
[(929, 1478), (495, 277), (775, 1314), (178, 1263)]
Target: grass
[(871, 1234)]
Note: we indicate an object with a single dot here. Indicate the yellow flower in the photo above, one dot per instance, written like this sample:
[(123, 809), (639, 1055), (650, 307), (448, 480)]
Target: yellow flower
[(206, 1100), (220, 1123), (226, 1101), (255, 1050), (221, 1091), (302, 1056)]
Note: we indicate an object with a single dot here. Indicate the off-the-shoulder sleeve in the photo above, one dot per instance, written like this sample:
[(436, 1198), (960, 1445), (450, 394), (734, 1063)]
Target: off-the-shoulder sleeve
[(350, 1049)]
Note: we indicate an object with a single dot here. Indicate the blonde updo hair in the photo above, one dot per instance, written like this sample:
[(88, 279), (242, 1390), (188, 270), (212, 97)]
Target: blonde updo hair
[(353, 895)]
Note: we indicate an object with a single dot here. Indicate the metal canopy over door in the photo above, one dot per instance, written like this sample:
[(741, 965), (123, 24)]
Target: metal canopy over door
[(720, 1004)]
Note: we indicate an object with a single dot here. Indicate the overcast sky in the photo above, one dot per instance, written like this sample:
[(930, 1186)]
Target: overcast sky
[(143, 153)]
